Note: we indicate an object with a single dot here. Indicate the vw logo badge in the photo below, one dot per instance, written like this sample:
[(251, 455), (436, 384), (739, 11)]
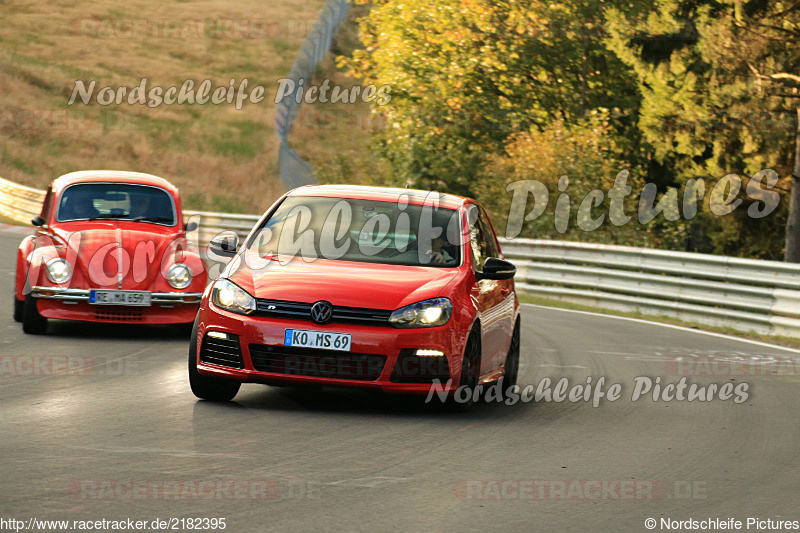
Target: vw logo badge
[(321, 312)]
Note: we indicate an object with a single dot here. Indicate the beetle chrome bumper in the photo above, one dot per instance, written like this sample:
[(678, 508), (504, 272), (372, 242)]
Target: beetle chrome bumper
[(82, 295)]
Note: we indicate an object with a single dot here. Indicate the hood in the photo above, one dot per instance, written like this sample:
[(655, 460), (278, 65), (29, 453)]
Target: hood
[(344, 283), (95, 252)]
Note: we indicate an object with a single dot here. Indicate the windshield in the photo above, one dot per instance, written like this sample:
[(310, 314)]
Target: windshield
[(361, 230), (121, 201)]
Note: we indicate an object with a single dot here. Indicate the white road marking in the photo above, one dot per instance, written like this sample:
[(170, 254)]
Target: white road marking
[(680, 328)]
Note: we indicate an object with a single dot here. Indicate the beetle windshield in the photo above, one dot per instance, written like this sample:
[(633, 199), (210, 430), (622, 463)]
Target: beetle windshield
[(372, 231), (119, 201)]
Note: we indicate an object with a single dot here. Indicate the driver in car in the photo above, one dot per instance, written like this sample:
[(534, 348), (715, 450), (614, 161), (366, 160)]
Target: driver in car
[(79, 206), (437, 252), (140, 206)]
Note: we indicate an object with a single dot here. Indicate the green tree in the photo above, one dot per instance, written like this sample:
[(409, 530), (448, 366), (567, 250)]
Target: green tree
[(571, 164), (468, 74), (721, 94)]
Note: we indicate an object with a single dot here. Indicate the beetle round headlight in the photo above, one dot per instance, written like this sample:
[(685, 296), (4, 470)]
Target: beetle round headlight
[(179, 276), (58, 271)]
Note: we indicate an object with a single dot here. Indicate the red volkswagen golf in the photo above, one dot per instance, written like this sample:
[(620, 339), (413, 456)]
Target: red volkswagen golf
[(110, 246), (386, 289)]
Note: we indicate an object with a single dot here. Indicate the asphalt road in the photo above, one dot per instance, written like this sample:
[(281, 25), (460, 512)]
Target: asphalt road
[(98, 422)]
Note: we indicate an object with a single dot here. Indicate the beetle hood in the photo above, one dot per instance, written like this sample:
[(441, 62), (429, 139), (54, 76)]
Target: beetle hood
[(142, 254)]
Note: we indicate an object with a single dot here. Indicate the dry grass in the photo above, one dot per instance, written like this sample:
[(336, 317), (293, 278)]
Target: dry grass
[(336, 138), (221, 158)]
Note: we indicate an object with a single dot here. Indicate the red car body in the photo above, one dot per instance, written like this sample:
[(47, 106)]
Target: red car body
[(229, 347), (111, 254)]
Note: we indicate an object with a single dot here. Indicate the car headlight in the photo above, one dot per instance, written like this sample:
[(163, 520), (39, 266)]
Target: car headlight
[(425, 314), (179, 276), (231, 297), (58, 271)]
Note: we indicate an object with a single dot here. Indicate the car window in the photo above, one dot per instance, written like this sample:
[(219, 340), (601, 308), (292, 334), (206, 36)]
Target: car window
[(361, 230), (492, 247), (47, 204), (482, 239), (121, 201)]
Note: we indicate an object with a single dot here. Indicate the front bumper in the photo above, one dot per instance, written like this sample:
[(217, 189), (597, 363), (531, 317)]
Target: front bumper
[(82, 295), (253, 350), (73, 304)]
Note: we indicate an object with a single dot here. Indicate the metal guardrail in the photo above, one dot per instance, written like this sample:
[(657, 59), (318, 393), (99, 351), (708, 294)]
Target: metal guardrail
[(294, 171), (211, 224), (18, 202), (743, 294)]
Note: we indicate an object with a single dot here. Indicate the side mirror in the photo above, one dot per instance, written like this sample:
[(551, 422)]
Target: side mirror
[(497, 269), (37, 221), (224, 244), (190, 226)]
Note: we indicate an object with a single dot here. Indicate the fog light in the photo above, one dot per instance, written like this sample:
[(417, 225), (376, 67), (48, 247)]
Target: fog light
[(428, 353), (217, 335)]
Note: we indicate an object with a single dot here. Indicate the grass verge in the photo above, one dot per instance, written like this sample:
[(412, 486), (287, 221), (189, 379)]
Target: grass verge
[(218, 155)]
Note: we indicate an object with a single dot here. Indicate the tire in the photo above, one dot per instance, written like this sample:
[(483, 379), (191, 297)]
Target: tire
[(183, 330), (470, 373), (208, 387), (511, 367), (32, 322), (19, 305), (19, 309)]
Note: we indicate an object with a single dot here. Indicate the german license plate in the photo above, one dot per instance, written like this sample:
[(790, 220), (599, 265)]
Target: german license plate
[(100, 297), (302, 338)]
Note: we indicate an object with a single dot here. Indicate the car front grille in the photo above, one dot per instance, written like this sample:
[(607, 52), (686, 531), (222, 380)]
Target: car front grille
[(223, 352), (410, 368), (341, 315), (316, 363)]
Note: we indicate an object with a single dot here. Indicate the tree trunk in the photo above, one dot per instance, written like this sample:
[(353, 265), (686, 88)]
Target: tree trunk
[(792, 254)]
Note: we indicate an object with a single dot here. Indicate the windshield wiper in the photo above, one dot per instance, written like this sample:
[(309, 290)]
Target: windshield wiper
[(151, 219)]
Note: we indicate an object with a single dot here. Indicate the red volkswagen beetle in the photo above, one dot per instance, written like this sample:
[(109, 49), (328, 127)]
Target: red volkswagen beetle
[(110, 247), (385, 289)]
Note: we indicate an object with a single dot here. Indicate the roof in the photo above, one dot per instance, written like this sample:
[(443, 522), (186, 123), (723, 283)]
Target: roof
[(114, 176), (415, 196)]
